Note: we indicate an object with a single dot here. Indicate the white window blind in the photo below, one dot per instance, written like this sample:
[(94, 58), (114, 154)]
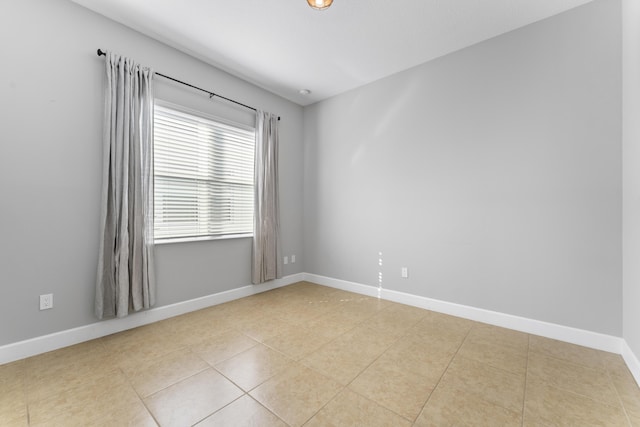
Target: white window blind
[(203, 176)]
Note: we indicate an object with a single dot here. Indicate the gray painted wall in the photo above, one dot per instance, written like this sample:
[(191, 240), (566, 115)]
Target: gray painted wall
[(51, 98), (493, 174), (631, 173)]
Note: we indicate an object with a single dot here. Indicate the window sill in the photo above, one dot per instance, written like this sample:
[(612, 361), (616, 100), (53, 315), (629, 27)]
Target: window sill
[(201, 239)]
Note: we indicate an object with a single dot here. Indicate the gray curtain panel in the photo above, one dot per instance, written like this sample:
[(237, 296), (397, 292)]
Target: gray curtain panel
[(126, 279), (266, 219)]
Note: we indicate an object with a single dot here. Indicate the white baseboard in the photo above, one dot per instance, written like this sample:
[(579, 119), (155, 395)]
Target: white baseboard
[(536, 327), (344, 285), (45, 343)]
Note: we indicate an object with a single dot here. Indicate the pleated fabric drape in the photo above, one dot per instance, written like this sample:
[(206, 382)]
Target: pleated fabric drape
[(125, 279), (266, 220)]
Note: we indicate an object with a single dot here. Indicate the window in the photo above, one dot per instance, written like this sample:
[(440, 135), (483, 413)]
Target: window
[(203, 176)]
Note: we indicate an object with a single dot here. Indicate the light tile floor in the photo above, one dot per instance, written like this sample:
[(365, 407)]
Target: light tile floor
[(316, 356)]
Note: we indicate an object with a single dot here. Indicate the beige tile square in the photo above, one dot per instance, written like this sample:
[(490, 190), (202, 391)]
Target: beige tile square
[(324, 300), (339, 361), (408, 311), (345, 296), (250, 313), (133, 415), (548, 405), (165, 371), (494, 335), (441, 328), (308, 289), (254, 366), (134, 348), (628, 392), (296, 342), (453, 407), (239, 307), (451, 324), (373, 340), (12, 371), (396, 319), (263, 329), (133, 337), (69, 362), (439, 338), (334, 323), (22, 421), (400, 391), (88, 401), (361, 307), (222, 347), (52, 373), (495, 355), (580, 379), (349, 354), (13, 399), (193, 328), (351, 409), (302, 312), (71, 354), (244, 412), (296, 394), (428, 358), (614, 363), (438, 346), (568, 352), (191, 400), (493, 385)]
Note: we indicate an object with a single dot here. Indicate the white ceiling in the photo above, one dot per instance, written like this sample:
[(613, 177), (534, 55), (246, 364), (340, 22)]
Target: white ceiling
[(284, 45)]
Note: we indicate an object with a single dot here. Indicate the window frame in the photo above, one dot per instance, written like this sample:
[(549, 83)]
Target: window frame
[(207, 116)]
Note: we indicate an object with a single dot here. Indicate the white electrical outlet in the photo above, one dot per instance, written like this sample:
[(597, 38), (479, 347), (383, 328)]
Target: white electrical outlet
[(404, 272), (286, 260), (293, 259), (46, 301)]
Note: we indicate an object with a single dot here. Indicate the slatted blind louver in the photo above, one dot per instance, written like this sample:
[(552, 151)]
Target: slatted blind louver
[(203, 177)]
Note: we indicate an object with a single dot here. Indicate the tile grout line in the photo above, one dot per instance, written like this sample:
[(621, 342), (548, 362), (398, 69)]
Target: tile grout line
[(376, 359), (299, 361), (142, 399), (345, 387), (571, 362), (26, 397), (567, 390), (624, 408), (328, 342), (526, 377), (220, 409), (245, 393), (443, 373), (499, 368), (532, 350), (139, 397), (25, 383), (210, 366)]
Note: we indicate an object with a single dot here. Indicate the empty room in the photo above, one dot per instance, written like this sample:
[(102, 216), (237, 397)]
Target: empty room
[(320, 213)]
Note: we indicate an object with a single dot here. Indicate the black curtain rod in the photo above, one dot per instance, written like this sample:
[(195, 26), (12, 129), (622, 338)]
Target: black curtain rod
[(211, 94)]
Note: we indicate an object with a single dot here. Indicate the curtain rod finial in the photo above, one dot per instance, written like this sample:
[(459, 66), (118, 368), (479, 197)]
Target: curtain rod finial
[(100, 52)]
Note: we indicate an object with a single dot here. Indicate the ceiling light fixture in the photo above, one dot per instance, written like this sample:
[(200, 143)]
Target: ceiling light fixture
[(320, 4), (304, 92)]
